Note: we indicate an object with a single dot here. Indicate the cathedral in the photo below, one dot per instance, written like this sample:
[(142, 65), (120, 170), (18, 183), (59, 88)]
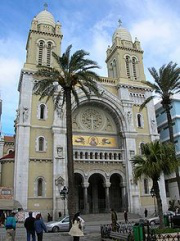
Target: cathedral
[(107, 131)]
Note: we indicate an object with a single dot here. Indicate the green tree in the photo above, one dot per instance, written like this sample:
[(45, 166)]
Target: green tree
[(74, 73), (156, 159), (167, 83)]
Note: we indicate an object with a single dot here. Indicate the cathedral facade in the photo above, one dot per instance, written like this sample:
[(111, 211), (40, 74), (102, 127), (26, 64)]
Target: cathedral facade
[(107, 131)]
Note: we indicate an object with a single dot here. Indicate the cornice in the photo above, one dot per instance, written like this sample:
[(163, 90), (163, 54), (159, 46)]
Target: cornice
[(40, 159), (134, 87), (124, 48), (48, 34)]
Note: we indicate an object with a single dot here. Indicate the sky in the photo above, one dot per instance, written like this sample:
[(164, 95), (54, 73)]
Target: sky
[(87, 25)]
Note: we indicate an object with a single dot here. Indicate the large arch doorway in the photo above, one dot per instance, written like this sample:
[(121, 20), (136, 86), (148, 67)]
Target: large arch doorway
[(116, 193), (96, 194), (79, 192)]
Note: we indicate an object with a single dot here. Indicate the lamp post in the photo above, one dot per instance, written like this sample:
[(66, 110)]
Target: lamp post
[(63, 195), (153, 195)]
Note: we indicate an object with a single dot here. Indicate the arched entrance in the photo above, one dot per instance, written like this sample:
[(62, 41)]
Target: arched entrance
[(96, 194), (79, 192), (116, 192)]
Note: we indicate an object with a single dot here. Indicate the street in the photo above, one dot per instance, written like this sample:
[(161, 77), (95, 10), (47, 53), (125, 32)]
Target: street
[(90, 233)]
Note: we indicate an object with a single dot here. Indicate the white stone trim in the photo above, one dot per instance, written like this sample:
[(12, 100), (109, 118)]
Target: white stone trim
[(37, 144), (44, 187), (39, 111)]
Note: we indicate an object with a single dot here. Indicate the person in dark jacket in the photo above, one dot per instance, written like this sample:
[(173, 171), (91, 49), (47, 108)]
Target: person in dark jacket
[(30, 229), (39, 227)]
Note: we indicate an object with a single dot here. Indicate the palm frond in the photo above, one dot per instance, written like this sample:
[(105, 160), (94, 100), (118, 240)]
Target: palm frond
[(146, 102)]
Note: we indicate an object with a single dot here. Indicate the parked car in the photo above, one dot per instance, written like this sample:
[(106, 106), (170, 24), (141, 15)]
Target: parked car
[(153, 221), (61, 225)]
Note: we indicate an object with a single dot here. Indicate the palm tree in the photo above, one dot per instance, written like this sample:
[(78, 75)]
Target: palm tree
[(74, 72), (167, 83), (156, 159)]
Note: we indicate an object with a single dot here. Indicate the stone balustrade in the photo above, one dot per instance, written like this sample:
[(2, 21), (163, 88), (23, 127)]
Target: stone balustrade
[(104, 155)]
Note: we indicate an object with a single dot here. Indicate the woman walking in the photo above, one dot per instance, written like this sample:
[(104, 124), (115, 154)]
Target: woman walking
[(76, 229), (39, 227)]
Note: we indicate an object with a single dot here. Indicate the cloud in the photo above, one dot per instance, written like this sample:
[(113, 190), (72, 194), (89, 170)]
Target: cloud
[(11, 64)]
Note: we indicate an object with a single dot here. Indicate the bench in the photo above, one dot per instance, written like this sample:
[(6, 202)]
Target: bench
[(117, 236)]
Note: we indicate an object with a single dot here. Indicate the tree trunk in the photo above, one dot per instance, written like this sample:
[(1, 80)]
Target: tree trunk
[(159, 202), (70, 162), (171, 136)]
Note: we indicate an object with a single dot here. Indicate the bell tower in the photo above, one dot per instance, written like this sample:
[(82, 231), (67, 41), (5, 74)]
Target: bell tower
[(44, 37), (125, 57)]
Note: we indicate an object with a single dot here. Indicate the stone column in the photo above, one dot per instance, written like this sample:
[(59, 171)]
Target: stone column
[(123, 195), (95, 198), (107, 186), (86, 204)]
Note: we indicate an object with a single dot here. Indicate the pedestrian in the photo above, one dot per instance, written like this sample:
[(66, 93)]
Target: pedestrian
[(49, 217), (76, 229), (30, 229), (114, 220), (145, 213), (39, 227), (10, 225), (125, 216)]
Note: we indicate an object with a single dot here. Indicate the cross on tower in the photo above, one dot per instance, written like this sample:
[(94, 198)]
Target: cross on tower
[(120, 22), (45, 6)]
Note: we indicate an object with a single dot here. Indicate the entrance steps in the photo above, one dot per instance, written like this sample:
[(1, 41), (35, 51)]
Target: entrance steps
[(105, 218)]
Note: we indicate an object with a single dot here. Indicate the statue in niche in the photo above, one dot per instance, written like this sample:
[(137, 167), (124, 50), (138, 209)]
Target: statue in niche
[(60, 151), (129, 116), (153, 125), (25, 114), (60, 112), (17, 115)]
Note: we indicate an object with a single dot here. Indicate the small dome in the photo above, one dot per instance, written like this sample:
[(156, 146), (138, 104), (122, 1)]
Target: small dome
[(123, 34), (45, 17)]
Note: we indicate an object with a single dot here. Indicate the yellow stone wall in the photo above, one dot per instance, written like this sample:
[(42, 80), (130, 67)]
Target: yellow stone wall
[(38, 169), (7, 174)]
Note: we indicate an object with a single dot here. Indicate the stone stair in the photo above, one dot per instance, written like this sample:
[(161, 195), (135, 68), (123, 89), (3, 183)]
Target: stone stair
[(106, 217)]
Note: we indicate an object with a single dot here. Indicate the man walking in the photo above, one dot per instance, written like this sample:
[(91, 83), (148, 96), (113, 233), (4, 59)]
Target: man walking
[(30, 229), (10, 226)]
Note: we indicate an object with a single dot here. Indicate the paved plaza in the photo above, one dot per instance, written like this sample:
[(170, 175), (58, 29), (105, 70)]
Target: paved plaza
[(91, 233)]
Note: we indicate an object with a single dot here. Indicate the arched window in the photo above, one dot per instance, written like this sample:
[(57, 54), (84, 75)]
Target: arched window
[(42, 112), (101, 155), (41, 143), (127, 66), (146, 186), (91, 155), (49, 48), (134, 68), (40, 187), (40, 55), (139, 120)]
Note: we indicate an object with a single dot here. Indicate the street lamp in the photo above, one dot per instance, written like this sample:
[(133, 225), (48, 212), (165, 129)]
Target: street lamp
[(153, 195), (63, 195)]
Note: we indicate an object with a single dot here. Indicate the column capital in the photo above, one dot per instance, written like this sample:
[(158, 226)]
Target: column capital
[(107, 184), (85, 184)]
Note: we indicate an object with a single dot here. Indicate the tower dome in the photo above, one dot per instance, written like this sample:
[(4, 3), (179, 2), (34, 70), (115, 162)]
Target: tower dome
[(45, 17), (122, 33)]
